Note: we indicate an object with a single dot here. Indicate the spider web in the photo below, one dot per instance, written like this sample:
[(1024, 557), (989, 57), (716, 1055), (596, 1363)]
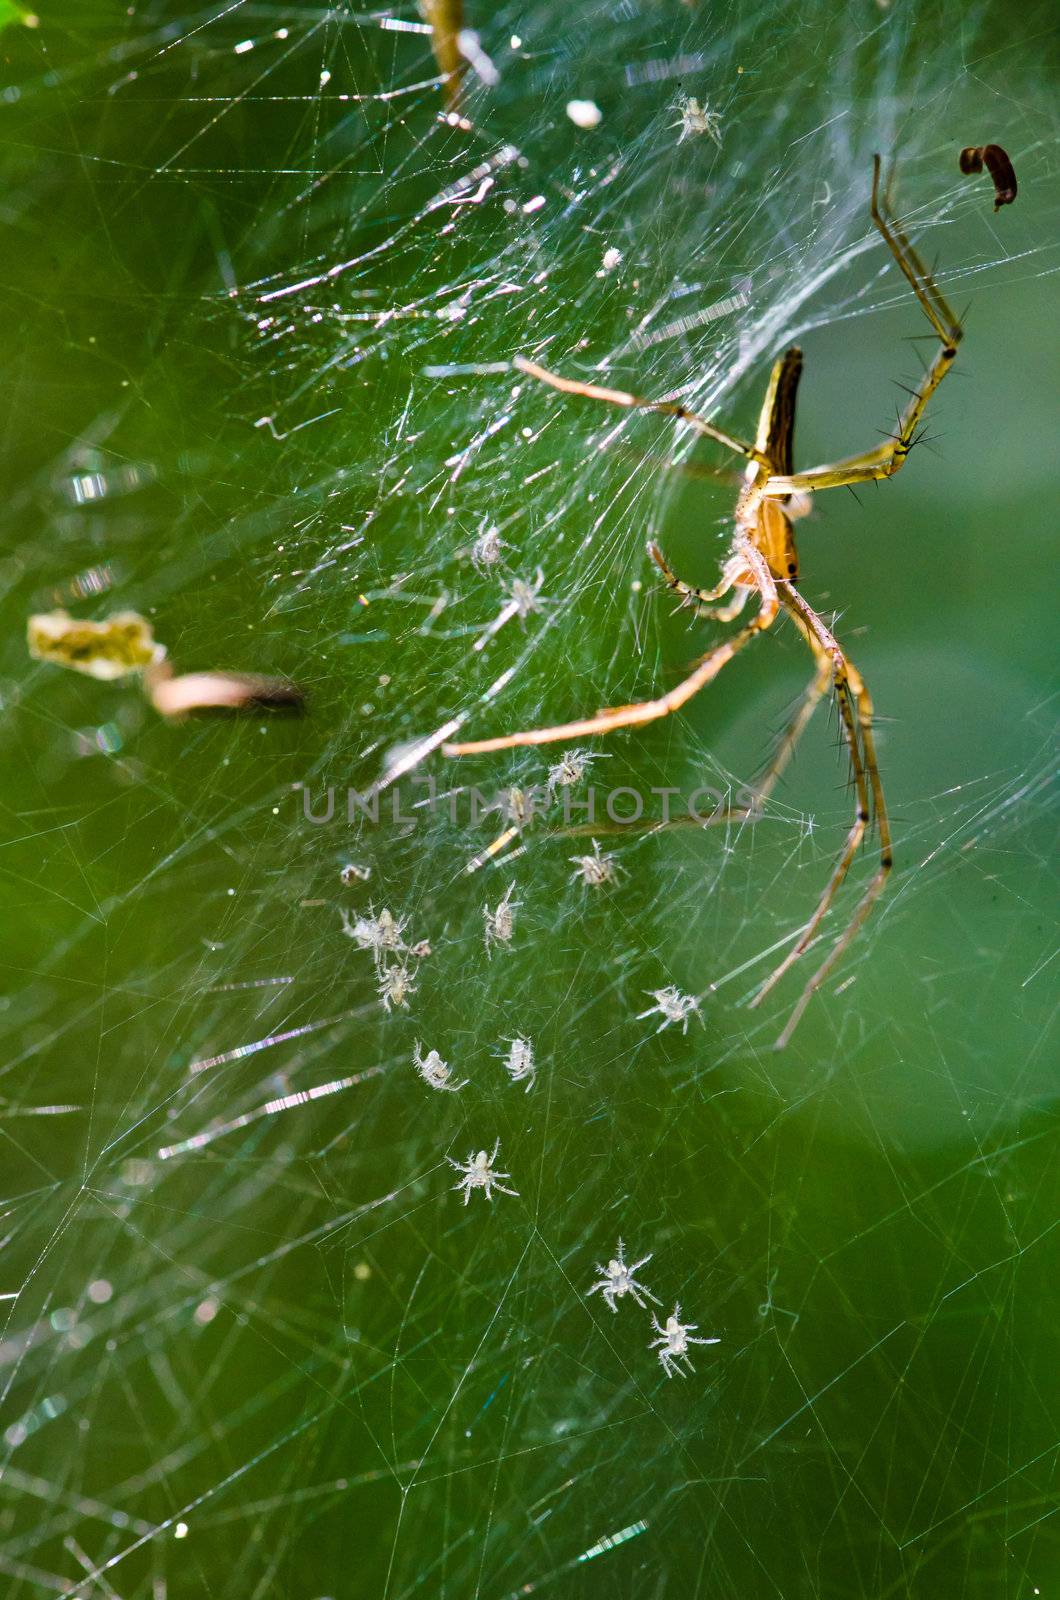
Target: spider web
[(264, 299)]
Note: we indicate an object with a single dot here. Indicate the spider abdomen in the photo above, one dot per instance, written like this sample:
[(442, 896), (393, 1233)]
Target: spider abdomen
[(774, 537)]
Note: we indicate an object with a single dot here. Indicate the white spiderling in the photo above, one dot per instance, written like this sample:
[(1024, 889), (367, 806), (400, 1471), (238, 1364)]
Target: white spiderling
[(673, 1342), (518, 806), (595, 870), (519, 1063), (486, 550), (500, 922), (525, 595), (436, 1073), (617, 1279), (672, 1006), (697, 119), (380, 934), (571, 769), (478, 1173), (395, 986)]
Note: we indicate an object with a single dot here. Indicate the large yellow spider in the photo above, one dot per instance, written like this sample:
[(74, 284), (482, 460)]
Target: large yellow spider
[(763, 558)]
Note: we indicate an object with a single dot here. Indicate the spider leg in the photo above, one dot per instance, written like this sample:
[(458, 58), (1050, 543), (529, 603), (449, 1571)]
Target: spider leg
[(815, 691), (648, 710), (693, 470), (666, 408), (889, 458), (783, 753), (855, 710), (697, 600)]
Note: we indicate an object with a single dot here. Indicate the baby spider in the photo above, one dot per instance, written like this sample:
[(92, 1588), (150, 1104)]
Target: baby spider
[(696, 119), (478, 1173), (672, 1006), (523, 597), (763, 562), (673, 1342), (435, 1072), (527, 597), (380, 934), (486, 550), (519, 1063), (571, 769), (500, 922), (597, 869), (616, 1280), (395, 986)]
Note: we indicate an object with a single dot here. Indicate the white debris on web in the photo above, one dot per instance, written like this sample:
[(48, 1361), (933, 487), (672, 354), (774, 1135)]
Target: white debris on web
[(673, 1006), (470, 46), (436, 1073), (478, 1172), (354, 872), (673, 1342), (584, 113)]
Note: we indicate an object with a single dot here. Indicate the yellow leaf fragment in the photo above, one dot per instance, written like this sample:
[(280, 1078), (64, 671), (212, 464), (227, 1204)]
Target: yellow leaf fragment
[(114, 648)]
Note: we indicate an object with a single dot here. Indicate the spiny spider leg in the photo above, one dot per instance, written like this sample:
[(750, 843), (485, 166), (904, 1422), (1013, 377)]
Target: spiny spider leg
[(887, 459), (697, 600), (812, 696), (648, 710), (855, 709), (621, 397), (774, 770)]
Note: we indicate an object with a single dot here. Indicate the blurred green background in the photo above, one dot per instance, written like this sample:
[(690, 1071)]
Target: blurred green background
[(288, 1362)]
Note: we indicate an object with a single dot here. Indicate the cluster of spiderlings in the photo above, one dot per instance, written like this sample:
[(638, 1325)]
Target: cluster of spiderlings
[(617, 1280), (518, 1062), (382, 936)]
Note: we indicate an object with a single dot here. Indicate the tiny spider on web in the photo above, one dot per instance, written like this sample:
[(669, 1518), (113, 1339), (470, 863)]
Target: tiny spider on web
[(617, 1279), (395, 985), (519, 1062), (672, 1006), (763, 562), (435, 1072), (571, 769), (478, 1173), (500, 922), (696, 119), (597, 869), (380, 934), (673, 1342)]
